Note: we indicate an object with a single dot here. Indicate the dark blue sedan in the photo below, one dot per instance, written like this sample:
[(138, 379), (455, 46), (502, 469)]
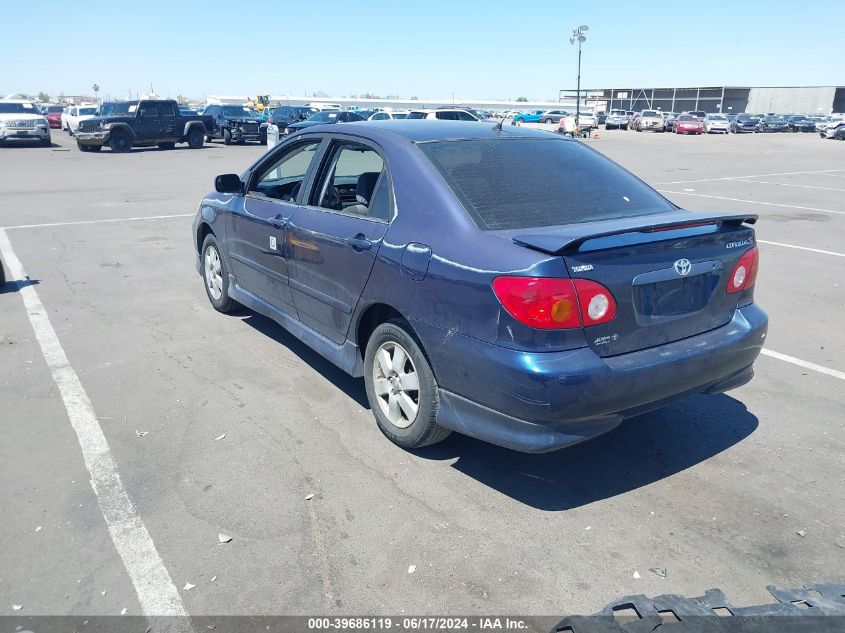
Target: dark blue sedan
[(509, 284)]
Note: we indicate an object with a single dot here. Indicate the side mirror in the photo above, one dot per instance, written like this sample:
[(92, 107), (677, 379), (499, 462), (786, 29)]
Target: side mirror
[(229, 183)]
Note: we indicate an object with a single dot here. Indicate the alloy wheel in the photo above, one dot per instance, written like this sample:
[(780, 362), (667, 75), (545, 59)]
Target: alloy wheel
[(213, 273), (396, 384)]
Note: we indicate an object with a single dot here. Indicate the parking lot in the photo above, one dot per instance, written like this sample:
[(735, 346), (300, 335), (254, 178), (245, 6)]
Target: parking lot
[(226, 424)]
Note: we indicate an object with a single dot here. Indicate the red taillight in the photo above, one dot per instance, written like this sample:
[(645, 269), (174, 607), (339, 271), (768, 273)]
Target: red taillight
[(744, 273), (551, 303)]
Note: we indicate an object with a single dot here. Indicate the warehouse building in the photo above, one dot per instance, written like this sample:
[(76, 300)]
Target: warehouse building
[(727, 99)]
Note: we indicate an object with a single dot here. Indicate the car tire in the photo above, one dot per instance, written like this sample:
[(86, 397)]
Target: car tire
[(82, 148), (227, 137), (95, 148), (120, 143), (625, 127), (547, 121), (215, 274), (393, 352), (167, 145), (208, 139), (46, 142), (195, 138)]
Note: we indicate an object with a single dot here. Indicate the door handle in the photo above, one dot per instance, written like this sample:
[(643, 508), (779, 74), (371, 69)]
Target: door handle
[(279, 221), (360, 242)]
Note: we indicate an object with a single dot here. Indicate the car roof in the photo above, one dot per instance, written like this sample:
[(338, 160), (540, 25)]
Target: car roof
[(423, 130)]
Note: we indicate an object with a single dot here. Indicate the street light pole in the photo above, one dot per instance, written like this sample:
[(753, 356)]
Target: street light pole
[(580, 35)]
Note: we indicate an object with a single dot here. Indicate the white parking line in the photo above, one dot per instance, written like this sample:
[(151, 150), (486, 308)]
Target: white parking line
[(802, 248), (823, 172), (156, 592), (787, 184), (805, 364), (770, 204), (105, 221)]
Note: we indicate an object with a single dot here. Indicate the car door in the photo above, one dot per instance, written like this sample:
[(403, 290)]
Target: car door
[(257, 235), (170, 120), (336, 235), (149, 121)]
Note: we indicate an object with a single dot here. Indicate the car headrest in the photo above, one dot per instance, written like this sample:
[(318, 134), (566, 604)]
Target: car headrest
[(366, 185)]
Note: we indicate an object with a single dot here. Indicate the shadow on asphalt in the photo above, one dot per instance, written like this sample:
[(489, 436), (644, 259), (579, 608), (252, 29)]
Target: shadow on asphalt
[(15, 285), (352, 387), (639, 452)]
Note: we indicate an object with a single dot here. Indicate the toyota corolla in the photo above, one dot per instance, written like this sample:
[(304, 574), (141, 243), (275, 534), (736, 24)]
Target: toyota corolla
[(504, 283)]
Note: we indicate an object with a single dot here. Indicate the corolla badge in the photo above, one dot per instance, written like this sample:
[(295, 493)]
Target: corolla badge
[(682, 267)]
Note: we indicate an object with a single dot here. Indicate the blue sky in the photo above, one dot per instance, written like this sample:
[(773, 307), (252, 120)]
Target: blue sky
[(430, 49)]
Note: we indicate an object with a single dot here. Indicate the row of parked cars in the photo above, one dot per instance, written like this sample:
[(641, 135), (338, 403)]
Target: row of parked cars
[(699, 122)]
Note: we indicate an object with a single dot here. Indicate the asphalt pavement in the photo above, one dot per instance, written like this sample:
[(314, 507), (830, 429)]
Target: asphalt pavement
[(228, 425)]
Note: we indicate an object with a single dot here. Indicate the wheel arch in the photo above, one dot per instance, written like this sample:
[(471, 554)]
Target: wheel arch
[(122, 127), (203, 230)]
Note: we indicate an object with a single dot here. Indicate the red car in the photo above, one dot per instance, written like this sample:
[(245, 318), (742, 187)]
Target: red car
[(688, 124), (53, 114)]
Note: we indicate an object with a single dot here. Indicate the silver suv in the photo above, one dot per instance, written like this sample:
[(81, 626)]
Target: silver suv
[(616, 119)]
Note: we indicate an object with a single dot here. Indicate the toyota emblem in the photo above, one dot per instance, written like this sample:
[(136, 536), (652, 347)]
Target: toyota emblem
[(682, 267)]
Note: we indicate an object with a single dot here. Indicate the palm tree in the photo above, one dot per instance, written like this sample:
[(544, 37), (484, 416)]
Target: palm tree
[(96, 89)]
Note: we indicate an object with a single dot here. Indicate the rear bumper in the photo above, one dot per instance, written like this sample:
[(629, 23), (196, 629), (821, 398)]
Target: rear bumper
[(538, 402)]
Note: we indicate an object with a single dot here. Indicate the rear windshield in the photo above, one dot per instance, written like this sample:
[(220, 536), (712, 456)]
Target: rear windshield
[(522, 183)]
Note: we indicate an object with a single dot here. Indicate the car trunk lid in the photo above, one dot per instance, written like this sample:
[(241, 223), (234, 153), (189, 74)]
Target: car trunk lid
[(668, 273)]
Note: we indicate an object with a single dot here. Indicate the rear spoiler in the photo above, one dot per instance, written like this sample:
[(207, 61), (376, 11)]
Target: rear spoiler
[(561, 239)]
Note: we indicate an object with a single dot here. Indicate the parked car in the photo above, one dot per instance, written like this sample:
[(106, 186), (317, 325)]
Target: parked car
[(562, 342), (586, 120), (78, 114), (235, 124), (773, 124), (616, 119), (283, 116), (650, 120), (325, 116), (688, 124), (821, 121), (744, 123), (714, 122), (669, 121), (835, 129), (53, 114), (144, 123), (631, 116), (601, 117), (21, 121), (452, 114), (553, 116), (532, 116), (800, 123), (187, 111)]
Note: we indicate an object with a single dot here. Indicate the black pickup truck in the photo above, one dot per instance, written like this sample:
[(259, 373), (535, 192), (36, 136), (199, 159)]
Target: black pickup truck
[(144, 123)]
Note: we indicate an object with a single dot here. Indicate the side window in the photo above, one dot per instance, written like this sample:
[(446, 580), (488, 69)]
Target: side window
[(149, 109), (380, 116), (282, 178), (168, 109), (465, 116), (446, 116), (349, 181)]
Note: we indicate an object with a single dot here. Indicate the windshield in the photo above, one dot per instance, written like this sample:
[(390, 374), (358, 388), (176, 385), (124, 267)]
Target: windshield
[(773, 119), (650, 113), (17, 108), (522, 183), (242, 112), (118, 108), (716, 117), (87, 111), (324, 116)]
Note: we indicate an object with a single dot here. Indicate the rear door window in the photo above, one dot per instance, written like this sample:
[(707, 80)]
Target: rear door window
[(521, 183)]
